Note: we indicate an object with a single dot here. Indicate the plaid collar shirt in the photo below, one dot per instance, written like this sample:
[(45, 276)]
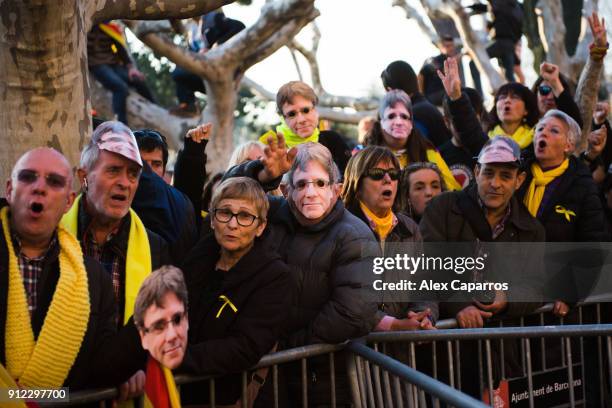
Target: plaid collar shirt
[(499, 228), (111, 253), (32, 269)]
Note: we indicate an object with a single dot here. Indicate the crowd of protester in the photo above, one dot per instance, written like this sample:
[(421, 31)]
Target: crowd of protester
[(132, 276)]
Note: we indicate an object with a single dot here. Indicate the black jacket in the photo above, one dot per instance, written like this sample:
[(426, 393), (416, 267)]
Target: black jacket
[(166, 211), (260, 287), (331, 263), (457, 217), (106, 358), (337, 146), (429, 120), (190, 172), (575, 192), (404, 237)]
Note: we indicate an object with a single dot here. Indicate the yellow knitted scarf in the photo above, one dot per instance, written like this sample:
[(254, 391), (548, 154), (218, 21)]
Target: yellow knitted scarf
[(433, 156), (6, 381), (383, 226), (291, 138), (45, 362), (138, 263), (523, 136), (535, 193)]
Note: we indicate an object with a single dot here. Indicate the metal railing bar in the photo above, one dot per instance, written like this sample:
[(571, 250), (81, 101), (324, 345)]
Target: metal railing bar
[(428, 384)]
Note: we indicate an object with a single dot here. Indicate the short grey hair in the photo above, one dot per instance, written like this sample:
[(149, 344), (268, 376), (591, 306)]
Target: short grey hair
[(167, 279), (91, 152), (314, 152), (573, 129)]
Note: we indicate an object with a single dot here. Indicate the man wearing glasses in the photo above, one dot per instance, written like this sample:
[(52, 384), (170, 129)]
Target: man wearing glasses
[(46, 282)]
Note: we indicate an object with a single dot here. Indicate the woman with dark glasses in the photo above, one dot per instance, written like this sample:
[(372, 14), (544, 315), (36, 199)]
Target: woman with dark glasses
[(369, 192), (553, 92), (296, 103), (240, 294), (395, 129)]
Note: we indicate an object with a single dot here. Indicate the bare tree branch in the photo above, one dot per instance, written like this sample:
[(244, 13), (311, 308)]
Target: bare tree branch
[(413, 13), (296, 63), (153, 9), (472, 42), (325, 98), (148, 33)]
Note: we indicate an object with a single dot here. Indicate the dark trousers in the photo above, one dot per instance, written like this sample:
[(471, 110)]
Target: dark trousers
[(114, 77), (503, 50), (186, 84)]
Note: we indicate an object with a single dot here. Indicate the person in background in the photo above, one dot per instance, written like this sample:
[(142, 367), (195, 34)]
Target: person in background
[(427, 119), (111, 64), (553, 92), (420, 183), (394, 130), (214, 28), (514, 114), (251, 150), (296, 103), (431, 84)]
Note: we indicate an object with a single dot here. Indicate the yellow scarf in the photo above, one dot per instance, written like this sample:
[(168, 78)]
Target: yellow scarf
[(45, 362), (433, 156), (523, 135), (138, 263), (291, 138), (6, 381), (540, 180), (382, 226)]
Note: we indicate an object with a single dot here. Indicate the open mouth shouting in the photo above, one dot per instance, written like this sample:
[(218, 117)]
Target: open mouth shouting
[(36, 209)]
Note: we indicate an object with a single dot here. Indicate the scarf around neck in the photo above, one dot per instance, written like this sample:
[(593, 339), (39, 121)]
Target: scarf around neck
[(46, 361), (523, 136), (382, 226), (138, 258), (535, 193), (291, 138)]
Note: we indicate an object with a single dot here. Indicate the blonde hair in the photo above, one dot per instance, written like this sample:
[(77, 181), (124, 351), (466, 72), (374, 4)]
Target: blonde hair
[(242, 151)]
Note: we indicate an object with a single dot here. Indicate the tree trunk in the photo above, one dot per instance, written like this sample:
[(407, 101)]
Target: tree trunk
[(43, 72), (222, 96), (44, 81), (532, 32)]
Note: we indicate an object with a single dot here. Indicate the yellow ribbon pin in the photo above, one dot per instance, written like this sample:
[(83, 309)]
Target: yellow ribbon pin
[(561, 210), (226, 302)]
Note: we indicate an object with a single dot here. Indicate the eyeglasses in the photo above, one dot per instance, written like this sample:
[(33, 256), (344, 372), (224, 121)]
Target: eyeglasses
[(150, 134), (318, 183), (53, 180), (544, 90), (160, 326), (377, 173), (304, 111), (243, 218)]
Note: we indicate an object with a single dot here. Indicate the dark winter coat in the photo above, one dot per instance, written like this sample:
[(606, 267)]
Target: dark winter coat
[(429, 120), (223, 341), (453, 217), (406, 231)]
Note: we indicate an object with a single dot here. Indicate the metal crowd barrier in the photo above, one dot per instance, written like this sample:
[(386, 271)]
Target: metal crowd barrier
[(378, 379)]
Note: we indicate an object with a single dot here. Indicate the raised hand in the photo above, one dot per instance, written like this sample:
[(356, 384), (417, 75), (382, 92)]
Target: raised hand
[(601, 112), (451, 79), (550, 73), (277, 159), (598, 29), (596, 141), (200, 133)]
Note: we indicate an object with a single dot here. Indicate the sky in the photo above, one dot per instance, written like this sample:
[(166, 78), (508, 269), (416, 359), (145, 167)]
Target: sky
[(359, 38)]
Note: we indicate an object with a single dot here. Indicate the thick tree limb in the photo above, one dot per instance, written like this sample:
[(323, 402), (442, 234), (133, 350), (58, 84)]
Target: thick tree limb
[(153, 9)]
